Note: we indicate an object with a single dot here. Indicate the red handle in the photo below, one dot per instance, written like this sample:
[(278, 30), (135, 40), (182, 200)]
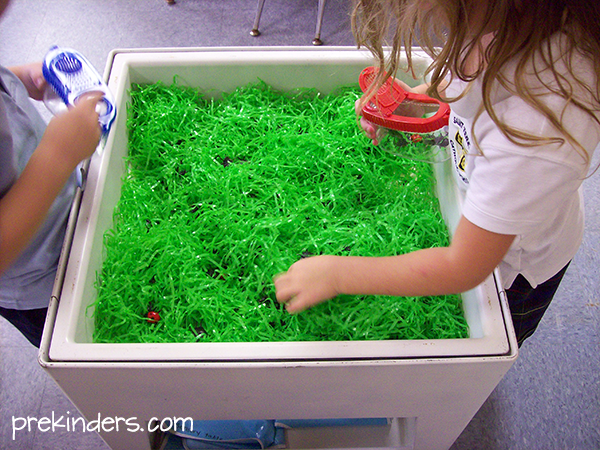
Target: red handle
[(380, 108)]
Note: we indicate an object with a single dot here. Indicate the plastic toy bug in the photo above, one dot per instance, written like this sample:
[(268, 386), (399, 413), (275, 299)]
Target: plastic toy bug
[(152, 316)]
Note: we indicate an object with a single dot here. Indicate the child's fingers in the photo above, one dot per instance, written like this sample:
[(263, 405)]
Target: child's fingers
[(369, 128), (285, 293), (89, 99), (86, 106), (283, 289), (298, 304)]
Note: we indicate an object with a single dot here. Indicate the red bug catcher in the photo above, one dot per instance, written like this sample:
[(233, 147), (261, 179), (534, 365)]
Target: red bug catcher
[(411, 125)]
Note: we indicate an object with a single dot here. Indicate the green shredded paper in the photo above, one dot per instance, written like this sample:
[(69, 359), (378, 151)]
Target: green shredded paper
[(222, 195)]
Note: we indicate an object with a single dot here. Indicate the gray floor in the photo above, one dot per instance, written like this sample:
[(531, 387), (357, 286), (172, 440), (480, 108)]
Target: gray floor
[(549, 399)]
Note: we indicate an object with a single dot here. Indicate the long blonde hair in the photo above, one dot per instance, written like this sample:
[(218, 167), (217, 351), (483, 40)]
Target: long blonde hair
[(522, 31)]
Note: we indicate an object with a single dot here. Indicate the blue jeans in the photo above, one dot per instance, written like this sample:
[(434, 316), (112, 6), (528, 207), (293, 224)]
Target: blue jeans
[(528, 305), (29, 322)]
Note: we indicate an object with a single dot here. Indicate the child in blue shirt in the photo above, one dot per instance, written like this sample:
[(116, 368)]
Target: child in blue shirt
[(37, 185)]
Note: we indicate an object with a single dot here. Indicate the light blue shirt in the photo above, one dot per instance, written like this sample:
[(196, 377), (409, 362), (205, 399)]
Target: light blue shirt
[(27, 283)]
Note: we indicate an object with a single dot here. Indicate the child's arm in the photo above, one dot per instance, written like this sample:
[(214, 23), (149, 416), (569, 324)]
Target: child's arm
[(69, 138), (470, 258)]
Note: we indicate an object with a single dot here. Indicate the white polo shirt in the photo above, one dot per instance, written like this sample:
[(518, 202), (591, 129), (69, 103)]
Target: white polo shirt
[(531, 192)]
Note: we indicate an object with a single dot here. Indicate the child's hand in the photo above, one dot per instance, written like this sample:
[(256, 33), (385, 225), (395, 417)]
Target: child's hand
[(369, 128), (308, 282), (32, 77), (73, 135)]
